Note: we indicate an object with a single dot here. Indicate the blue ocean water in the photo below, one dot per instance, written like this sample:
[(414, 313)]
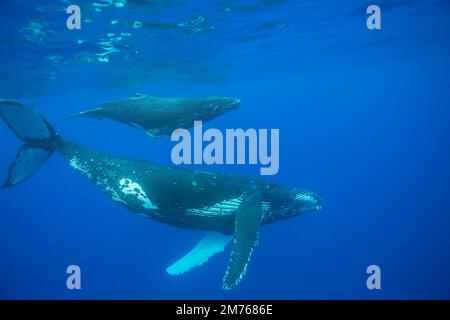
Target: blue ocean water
[(364, 122)]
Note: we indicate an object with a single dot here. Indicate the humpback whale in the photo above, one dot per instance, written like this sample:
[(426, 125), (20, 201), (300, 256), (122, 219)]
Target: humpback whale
[(231, 208), (161, 116)]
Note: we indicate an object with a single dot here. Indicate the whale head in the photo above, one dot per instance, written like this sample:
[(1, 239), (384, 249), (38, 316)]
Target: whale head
[(216, 106), (282, 203), (305, 201)]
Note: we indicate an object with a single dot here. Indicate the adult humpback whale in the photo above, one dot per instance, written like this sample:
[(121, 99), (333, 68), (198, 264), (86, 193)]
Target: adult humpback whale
[(160, 116), (230, 207)]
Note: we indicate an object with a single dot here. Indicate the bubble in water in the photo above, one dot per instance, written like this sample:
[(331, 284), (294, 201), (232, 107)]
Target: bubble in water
[(120, 3), (104, 3)]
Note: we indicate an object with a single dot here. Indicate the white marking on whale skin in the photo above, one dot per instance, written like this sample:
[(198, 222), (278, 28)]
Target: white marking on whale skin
[(101, 183), (77, 165), (225, 207), (305, 197), (222, 208), (131, 188), (243, 272), (266, 212)]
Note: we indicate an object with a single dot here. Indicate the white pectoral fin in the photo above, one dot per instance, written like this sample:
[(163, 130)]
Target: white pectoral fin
[(211, 244)]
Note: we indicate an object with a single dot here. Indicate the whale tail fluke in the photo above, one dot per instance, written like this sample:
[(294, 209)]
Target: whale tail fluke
[(37, 133)]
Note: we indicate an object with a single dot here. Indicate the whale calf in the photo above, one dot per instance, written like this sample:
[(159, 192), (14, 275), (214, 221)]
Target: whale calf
[(161, 116), (231, 208)]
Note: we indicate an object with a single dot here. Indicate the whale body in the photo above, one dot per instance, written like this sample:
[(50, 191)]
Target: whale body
[(229, 207), (161, 116)]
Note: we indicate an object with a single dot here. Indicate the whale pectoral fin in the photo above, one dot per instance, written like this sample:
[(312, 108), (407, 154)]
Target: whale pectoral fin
[(154, 132), (165, 130), (211, 244), (93, 113), (247, 222)]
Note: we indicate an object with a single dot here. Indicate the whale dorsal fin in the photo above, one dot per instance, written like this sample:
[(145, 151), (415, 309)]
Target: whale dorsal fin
[(210, 244), (247, 222)]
